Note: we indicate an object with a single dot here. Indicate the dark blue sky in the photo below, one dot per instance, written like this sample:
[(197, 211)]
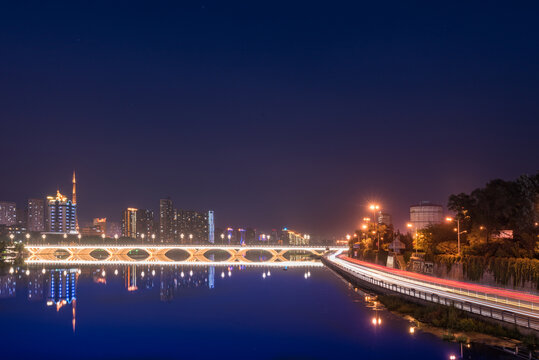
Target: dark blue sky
[(272, 113)]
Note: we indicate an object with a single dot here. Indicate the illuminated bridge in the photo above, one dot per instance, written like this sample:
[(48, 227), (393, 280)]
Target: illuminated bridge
[(504, 305), (161, 254)]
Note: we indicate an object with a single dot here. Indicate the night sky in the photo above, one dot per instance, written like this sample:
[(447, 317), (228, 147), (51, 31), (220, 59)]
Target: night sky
[(271, 113)]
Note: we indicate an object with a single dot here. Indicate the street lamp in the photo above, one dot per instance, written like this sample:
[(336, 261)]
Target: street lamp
[(181, 237), (80, 237), (375, 208), (27, 237), (142, 237), (103, 237), (153, 238), (116, 238), (449, 219), (43, 237), (190, 238), (11, 236), (222, 238), (414, 234)]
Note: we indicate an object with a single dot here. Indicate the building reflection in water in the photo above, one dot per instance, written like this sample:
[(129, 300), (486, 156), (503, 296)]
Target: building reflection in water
[(35, 285), (60, 285), (172, 279), (62, 290), (8, 285)]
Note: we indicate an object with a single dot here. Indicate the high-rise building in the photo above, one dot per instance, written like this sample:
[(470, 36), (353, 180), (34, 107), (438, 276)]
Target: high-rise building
[(211, 227), (290, 237), (100, 224), (166, 220), (113, 228), (195, 226), (384, 218), (424, 214), (61, 214), (36, 215), (129, 223), (8, 213), (74, 200), (145, 223)]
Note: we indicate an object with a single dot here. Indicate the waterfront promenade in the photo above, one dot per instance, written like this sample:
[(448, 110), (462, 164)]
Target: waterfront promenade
[(508, 306)]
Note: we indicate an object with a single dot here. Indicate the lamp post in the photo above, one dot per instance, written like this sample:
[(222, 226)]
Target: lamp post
[(375, 208), (80, 238), (222, 238), (153, 238), (191, 239), (11, 236), (43, 237), (103, 237), (142, 237), (449, 219), (116, 238), (182, 235), (27, 237), (414, 235)]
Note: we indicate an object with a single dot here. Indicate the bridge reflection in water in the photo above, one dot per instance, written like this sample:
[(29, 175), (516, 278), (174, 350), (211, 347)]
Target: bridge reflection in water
[(165, 255), (52, 273)]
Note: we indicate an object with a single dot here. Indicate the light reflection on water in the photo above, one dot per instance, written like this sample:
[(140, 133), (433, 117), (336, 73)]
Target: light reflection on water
[(263, 312)]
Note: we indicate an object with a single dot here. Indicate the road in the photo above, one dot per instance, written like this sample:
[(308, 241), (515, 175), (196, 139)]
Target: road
[(509, 306)]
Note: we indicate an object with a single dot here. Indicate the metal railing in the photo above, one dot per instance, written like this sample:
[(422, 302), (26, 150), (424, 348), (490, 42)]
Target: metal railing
[(507, 316)]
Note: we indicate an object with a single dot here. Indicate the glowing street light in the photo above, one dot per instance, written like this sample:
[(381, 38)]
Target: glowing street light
[(103, 237), (142, 237), (348, 236), (375, 208), (450, 219), (27, 236), (11, 236)]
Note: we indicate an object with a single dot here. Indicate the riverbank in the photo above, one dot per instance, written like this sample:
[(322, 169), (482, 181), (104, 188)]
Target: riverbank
[(452, 324), (448, 323)]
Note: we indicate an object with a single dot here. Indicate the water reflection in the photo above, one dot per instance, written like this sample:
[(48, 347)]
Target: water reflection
[(57, 287), (163, 305)]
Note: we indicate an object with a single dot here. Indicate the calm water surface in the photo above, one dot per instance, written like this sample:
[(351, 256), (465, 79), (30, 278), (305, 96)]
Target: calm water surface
[(155, 313)]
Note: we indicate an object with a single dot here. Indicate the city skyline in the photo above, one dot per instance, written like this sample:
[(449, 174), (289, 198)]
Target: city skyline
[(303, 119)]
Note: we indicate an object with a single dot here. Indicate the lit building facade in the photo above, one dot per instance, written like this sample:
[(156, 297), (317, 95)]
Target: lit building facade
[(36, 215), (100, 224), (211, 227), (61, 214), (166, 220), (195, 226), (129, 223), (145, 223), (8, 213), (424, 214), (290, 237)]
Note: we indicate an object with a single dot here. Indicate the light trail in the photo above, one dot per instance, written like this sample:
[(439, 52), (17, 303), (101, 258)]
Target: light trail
[(512, 303)]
